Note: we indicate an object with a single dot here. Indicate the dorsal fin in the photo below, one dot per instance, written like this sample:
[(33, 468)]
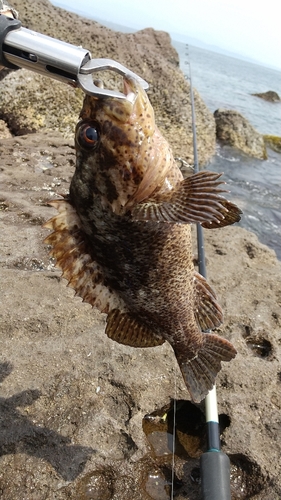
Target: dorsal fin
[(127, 330), (70, 249), (196, 200), (207, 311)]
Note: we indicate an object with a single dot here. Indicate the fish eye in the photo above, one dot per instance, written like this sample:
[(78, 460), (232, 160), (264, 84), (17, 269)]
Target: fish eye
[(87, 135)]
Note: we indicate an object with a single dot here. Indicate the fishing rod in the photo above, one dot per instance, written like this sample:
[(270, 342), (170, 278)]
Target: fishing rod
[(214, 464)]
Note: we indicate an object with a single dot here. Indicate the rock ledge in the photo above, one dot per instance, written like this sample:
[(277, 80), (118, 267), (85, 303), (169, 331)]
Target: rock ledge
[(233, 129)]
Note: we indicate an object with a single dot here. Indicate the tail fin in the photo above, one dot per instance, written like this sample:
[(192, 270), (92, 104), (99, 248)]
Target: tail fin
[(200, 371)]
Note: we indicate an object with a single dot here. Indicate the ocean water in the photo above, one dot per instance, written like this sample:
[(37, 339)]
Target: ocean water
[(255, 185)]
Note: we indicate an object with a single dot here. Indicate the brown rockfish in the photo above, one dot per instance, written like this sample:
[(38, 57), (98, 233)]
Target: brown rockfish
[(122, 236)]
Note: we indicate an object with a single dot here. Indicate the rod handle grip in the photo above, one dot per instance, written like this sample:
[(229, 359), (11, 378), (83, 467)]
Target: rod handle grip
[(215, 476)]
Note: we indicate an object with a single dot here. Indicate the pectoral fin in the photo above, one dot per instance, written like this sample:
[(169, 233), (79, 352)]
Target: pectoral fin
[(231, 215), (125, 329), (196, 200)]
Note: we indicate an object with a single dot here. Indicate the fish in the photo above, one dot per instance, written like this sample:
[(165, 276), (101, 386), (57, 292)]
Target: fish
[(122, 236)]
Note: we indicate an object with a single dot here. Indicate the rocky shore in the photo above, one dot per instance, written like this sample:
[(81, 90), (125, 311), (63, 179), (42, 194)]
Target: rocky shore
[(72, 402)]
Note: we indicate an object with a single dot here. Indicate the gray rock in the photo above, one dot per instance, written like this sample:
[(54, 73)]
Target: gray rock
[(4, 131), (270, 96), (30, 102), (233, 129)]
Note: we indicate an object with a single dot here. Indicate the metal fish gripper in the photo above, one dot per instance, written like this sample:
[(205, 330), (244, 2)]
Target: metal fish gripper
[(24, 48)]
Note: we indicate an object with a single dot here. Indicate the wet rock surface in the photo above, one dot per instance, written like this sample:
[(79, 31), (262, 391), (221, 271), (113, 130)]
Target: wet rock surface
[(73, 403), (234, 130)]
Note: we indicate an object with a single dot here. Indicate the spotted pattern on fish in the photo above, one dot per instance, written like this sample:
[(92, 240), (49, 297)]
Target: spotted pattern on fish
[(123, 237)]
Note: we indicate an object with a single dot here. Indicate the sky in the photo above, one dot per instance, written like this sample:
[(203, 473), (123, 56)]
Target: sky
[(247, 27)]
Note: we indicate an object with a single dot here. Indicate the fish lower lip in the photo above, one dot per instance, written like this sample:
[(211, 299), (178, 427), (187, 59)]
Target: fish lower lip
[(128, 91), (131, 97)]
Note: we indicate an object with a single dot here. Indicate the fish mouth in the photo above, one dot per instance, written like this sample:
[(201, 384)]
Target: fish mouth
[(134, 100), (130, 87)]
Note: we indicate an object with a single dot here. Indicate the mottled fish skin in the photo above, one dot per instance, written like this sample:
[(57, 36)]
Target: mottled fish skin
[(123, 236)]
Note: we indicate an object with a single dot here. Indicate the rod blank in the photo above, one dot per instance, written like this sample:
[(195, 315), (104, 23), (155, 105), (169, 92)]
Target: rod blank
[(214, 464)]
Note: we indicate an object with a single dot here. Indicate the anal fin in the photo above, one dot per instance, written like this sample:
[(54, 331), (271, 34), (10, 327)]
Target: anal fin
[(197, 199), (125, 329), (207, 311)]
